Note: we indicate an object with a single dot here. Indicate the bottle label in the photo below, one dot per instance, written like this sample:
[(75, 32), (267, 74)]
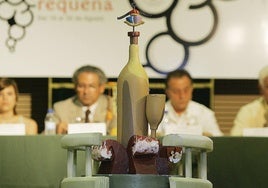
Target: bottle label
[(50, 125), (50, 128)]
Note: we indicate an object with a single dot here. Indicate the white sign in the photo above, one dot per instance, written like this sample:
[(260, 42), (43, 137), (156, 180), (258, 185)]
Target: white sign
[(87, 128), (262, 132), (52, 38), (12, 129)]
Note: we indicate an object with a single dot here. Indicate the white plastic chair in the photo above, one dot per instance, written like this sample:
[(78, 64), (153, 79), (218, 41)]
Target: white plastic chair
[(84, 142), (191, 143)]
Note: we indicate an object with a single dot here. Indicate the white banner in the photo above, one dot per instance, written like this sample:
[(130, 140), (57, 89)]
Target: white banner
[(211, 39)]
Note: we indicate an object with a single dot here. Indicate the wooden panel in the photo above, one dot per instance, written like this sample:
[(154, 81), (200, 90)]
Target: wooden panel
[(24, 106), (226, 108)]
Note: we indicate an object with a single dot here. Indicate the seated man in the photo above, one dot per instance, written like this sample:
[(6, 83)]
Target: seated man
[(255, 113), (181, 111), (89, 104)]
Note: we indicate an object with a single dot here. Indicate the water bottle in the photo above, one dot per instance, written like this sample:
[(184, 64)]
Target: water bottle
[(50, 123)]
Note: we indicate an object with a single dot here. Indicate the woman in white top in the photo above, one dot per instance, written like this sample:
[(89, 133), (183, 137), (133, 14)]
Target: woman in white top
[(8, 100)]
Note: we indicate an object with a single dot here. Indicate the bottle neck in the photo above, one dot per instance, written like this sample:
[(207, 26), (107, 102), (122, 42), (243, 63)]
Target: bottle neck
[(134, 53), (134, 40), (134, 36)]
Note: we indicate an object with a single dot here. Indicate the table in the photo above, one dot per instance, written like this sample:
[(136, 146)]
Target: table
[(40, 162), (31, 161), (239, 162)]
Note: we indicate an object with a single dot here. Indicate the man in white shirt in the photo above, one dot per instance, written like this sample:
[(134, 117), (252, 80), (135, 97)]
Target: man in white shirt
[(182, 115), (255, 113)]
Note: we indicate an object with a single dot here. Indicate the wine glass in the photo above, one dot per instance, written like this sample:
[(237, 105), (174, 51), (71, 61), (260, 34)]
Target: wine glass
[(155, 106)]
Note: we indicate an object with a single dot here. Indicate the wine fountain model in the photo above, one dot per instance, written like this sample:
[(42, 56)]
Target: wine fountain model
[(135, 106), (135, 152)]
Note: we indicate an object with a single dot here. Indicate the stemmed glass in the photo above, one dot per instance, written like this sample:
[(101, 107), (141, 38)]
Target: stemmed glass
[(155, 106)]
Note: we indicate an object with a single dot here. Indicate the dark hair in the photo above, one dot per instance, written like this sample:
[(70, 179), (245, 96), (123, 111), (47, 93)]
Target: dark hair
[(179, 73), (90, 69), (6, 82)]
